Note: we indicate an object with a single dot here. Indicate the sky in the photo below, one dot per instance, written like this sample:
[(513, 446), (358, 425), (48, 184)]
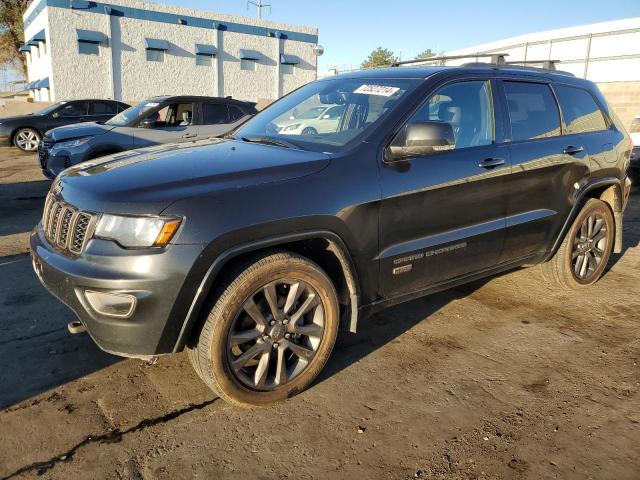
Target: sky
[(350, 29)]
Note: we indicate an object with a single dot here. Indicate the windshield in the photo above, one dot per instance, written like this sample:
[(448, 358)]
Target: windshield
[(363, 103), (130, 115), (50, 108)]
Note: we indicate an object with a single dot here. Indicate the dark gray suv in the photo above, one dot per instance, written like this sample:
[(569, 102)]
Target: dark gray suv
[(153, 122), (250, 251)]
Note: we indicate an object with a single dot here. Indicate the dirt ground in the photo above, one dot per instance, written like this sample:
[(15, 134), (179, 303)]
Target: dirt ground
[(503, 378)]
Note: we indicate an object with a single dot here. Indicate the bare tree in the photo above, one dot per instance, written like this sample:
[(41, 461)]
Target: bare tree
[(12, 34)]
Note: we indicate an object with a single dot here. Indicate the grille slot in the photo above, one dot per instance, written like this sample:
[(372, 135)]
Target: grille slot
[(65, 226)]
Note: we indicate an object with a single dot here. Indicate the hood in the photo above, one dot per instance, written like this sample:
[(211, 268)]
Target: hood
[(17, 118), (148, 180), (77, 130)]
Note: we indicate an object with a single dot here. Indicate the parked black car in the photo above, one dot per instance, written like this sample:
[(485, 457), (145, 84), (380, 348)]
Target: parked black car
[(152, 122), (26, 131), (249, 251)]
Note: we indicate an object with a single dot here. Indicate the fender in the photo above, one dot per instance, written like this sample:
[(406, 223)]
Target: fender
[(577, 205), (336, 245)]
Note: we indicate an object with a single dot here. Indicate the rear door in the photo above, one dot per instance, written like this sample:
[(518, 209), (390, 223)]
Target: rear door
[(545, 169), (172, 123), (443, 215), (214, 119)]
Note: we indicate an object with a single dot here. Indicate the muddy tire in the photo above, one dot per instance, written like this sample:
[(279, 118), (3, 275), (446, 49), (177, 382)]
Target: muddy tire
[(583, 255), (270, 331)]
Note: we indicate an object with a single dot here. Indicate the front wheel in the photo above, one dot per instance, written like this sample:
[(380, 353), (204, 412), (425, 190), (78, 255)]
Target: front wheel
[(270, 332), (585, 251), (27, 139)]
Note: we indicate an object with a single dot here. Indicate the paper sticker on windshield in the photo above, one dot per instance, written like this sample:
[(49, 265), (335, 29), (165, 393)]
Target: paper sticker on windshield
[(380, 90)]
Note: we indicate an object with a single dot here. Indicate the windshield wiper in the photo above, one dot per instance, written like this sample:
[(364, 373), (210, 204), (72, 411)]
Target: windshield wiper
[(268, 141)]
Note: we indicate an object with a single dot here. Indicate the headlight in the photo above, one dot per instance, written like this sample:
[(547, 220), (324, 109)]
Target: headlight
[(295, 126), (74, 143), (137, 232)]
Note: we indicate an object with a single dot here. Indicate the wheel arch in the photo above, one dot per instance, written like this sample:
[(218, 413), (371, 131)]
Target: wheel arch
[(324, 247), (610, 191), (15, 131)]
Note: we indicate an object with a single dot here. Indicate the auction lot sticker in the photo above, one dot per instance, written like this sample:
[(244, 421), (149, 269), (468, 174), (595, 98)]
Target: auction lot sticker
[(380, 90)]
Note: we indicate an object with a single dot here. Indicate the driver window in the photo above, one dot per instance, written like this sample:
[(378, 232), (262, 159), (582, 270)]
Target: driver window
[(172, 116), (467, 107), (73, 110)]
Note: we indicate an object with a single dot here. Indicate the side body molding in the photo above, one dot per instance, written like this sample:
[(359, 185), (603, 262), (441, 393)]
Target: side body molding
[(336, 246)]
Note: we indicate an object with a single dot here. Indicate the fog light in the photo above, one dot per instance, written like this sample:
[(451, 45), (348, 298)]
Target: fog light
[(118, 305)]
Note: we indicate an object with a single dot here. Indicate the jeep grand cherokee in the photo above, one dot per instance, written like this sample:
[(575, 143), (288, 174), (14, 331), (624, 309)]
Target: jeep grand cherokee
[(249, 251)]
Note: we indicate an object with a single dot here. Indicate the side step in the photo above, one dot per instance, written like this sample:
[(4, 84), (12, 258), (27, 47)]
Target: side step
[(75, 327)]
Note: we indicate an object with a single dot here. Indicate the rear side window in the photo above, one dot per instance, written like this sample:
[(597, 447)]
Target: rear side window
[(580, 111), (214, 113), (102, 108), (533, 111)]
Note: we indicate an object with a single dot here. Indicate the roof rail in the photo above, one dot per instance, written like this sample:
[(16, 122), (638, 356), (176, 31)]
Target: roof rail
[(546, 65), (495, 58)]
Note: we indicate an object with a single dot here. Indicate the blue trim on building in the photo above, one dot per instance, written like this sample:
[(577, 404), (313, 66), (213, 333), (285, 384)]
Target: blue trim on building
[(155, 44), (164, 17), (250, 55), (289, 59), (209, 50), (90, 36)]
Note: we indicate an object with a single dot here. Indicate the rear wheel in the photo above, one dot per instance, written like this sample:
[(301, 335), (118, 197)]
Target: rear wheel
[(27, 139), (270, 332), (585, 251)]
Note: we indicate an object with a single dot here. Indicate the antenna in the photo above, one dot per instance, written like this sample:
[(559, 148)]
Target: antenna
[(259, 5)]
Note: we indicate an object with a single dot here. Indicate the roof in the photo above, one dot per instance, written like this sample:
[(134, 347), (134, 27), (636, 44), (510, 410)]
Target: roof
[(198, 98)]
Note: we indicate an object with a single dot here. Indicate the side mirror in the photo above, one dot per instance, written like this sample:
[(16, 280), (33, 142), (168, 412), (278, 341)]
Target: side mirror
[(147, 123), (421, 139), (325, 116), (55, 115)]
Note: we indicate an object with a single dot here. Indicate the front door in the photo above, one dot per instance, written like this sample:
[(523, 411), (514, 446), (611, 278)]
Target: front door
[(173, 123), (443, 214)]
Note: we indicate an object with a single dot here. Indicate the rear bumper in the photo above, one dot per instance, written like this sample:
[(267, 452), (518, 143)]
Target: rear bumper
[(153, 278)]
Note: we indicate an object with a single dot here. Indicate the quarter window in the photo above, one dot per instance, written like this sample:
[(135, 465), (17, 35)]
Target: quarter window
[(533, 111), (467, 107), (580, 111)]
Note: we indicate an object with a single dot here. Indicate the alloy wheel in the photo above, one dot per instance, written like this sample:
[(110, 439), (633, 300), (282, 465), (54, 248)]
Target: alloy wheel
[(276, 334), (27, 140), (589, 247)]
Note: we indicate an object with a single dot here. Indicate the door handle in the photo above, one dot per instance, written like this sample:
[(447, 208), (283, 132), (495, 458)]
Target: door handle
[(572, 150), (190, 135), (491, 162)]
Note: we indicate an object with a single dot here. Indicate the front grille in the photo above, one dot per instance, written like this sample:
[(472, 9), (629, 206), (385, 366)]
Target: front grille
[(66, 227), (43, 150)]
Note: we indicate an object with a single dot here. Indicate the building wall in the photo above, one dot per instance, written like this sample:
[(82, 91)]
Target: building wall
[(121, 70), (39, 58), (624, 98)]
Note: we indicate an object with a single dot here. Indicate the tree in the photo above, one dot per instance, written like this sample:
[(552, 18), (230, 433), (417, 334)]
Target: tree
[(426, 54), (380, 57), (12, 34)]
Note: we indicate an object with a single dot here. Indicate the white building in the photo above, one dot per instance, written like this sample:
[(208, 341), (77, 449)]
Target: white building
[(131, 50)]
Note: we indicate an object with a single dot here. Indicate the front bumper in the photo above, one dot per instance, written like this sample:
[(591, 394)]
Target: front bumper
[(155, 278)]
